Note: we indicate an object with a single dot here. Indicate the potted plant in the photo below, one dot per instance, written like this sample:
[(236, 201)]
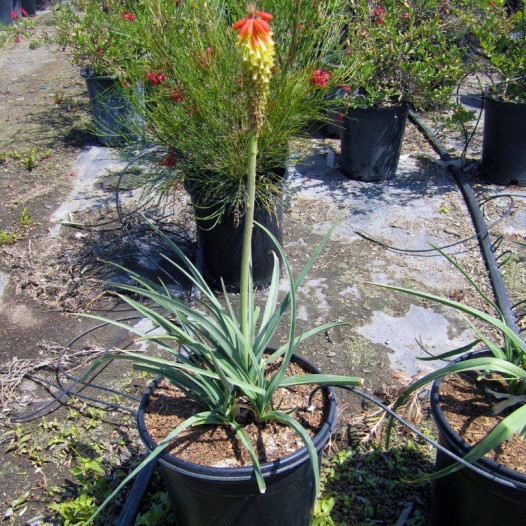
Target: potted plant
[(195, 113), (501, 35), (478, 402), (398, 55), (9, 11), (98, 36), (228, 375)]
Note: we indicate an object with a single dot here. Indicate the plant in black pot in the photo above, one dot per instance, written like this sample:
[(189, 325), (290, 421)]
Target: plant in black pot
[(101, 36), (502, 34), (235, 411), (194, 110), (398, 55), (478, 401)]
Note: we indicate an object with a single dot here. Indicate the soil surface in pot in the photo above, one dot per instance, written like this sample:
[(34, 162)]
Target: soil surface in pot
[(218, 445), (467, 407)]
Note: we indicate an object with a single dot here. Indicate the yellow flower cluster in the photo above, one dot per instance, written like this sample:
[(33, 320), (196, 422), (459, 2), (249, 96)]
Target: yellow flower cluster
[(257, 55)]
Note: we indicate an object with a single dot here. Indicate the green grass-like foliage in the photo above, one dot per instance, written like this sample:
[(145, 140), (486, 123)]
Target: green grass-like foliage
[(195, 101), (223, 368), (508, 361)]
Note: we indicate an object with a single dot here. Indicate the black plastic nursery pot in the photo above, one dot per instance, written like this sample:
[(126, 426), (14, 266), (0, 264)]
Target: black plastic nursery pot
[(221, 241), (209, 496), (466, 498), (504, 142), (371, 142), (113, 114), (6, 8)]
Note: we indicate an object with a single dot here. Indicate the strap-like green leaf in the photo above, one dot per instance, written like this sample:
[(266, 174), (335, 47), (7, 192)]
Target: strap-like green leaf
[(509, 333), (304, 336), (267, 331), (514, 423), (255, 460), (298, 428), (449, 354), (321, 379)]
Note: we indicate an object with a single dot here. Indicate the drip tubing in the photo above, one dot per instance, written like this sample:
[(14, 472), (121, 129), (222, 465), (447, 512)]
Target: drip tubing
[(479, 223)]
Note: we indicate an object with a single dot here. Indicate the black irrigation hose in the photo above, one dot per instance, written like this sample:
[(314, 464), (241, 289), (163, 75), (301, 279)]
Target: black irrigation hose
[(134, 498), (68, 391), (481, 228)]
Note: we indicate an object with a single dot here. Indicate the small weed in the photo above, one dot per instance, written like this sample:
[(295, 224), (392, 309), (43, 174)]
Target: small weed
[(7, 238), (158, 512), (30, 160), (25, 219), (76, 511), (29, 157), (34, 44)]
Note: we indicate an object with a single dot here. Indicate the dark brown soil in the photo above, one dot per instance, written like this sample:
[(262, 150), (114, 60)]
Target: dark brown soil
[(218, 445), (467, 407)]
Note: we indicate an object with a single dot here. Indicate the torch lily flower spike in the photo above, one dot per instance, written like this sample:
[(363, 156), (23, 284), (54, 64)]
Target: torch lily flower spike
[(257, 55)]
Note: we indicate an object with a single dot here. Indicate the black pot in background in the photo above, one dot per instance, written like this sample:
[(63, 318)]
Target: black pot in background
[(504, 142), (221, 244), (371, 142), (207, 496), (30, 7), (466, 498), (6, 8), (113, 114)]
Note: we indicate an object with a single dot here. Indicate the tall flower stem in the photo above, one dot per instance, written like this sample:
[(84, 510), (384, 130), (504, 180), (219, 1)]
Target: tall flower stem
[(246, 257)]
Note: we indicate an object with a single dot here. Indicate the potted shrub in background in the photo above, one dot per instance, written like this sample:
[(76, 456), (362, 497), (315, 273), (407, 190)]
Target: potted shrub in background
[(8, 10), (227, 374), (99, 37), (478, 402), (502, 35), (398, 55), (195, 112)]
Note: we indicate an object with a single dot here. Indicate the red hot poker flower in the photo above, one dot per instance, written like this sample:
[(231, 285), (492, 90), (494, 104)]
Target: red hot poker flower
[(257, 55)]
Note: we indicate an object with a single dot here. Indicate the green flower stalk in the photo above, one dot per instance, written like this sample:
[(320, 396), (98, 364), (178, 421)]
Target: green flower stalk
[(257, 52)]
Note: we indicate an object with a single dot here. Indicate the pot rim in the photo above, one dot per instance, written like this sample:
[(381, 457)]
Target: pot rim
[(457, 441), (85, 73), (239, 473), (403, 106)]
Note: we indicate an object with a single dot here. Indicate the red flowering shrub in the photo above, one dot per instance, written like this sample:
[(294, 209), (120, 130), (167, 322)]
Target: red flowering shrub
[(320, 77), (156, 78)]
